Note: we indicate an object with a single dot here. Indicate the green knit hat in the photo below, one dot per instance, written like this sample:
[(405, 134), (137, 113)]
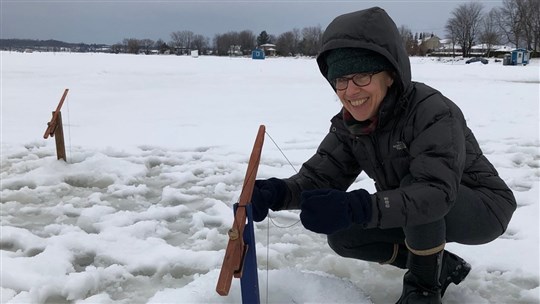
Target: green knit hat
[(346, 61)]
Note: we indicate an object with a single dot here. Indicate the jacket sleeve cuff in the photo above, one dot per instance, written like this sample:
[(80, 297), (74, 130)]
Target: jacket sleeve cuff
[(374, 222)]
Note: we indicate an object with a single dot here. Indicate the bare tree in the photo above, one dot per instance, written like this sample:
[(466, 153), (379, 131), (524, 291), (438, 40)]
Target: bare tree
[(132, 45), (247, 41), (285, 44), (161, 46), (176, 39), (509, 22), (535, 9), (536, 25), (404, 32), (272, 38), (224, 42), (528, 12), (452, 29), (146, 45), (519, 20), (409, 42), (182, 40), (117, 48), (311, 40), (465, 25), (297, 39), (490, 34), (200, 43)]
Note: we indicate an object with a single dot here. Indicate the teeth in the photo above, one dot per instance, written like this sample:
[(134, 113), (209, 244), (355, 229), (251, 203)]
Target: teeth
[(358, 102)]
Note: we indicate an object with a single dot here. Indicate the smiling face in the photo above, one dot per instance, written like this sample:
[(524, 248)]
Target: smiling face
[(363, 102)]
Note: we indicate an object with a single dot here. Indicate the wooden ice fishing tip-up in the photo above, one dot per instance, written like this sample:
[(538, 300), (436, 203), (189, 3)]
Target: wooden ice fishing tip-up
[(55, 129), (240, 257)]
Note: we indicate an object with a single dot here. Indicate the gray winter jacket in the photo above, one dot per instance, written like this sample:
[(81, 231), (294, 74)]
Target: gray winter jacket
[(420, 134)]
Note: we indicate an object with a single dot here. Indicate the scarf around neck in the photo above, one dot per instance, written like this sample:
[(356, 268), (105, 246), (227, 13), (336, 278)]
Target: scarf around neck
[(359, 127)]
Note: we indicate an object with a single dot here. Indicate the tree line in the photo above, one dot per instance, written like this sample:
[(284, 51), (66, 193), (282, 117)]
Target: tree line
[(516, 22), (295, 42)]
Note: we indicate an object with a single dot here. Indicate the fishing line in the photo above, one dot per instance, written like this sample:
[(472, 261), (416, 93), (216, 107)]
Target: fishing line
[(270, 219), (282, 153), (292, 166)]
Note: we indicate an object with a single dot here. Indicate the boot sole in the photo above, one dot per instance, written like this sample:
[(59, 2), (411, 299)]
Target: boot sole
[(457, 276)]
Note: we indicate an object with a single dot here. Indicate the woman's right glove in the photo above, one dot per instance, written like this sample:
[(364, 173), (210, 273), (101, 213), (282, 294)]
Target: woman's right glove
[(267, 194), (328, 210)]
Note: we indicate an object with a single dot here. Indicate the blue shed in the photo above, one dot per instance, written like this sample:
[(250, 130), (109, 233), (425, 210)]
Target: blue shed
[(257, 54), (520, 56)]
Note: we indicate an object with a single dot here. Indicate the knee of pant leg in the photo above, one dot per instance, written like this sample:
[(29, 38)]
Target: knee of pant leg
[(425, 236)]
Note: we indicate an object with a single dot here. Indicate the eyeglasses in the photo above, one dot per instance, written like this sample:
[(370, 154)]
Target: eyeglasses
[(360, 80)]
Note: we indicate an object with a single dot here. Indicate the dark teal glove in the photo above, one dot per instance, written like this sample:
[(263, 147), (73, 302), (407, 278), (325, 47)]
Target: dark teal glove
[(328, 210), (267, 194)]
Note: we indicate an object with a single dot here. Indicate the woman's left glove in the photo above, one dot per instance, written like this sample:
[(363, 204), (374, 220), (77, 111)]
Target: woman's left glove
[(267, 194), (328, 210)]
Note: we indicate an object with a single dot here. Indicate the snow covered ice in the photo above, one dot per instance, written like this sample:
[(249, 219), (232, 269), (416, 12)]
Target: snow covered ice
[(157, 149)]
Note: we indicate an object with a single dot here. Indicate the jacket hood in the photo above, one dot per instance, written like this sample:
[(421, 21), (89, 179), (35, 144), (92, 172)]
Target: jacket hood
[(370, 29)]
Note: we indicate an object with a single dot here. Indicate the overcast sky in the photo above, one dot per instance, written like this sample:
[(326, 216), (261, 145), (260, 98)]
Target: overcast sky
[(97, 21)]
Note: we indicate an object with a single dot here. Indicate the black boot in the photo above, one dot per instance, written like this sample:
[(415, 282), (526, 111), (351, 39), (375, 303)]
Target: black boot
[(454, 270), (421, 283)]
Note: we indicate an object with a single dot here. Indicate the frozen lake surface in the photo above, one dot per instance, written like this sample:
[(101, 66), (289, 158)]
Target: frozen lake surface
[(157, 149)]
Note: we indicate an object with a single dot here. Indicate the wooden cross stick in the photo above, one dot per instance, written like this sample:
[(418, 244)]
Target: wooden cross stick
[(236, 249), (51, 125)]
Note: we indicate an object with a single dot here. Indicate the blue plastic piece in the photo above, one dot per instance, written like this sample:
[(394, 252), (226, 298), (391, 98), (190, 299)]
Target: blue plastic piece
[(249, 282)]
